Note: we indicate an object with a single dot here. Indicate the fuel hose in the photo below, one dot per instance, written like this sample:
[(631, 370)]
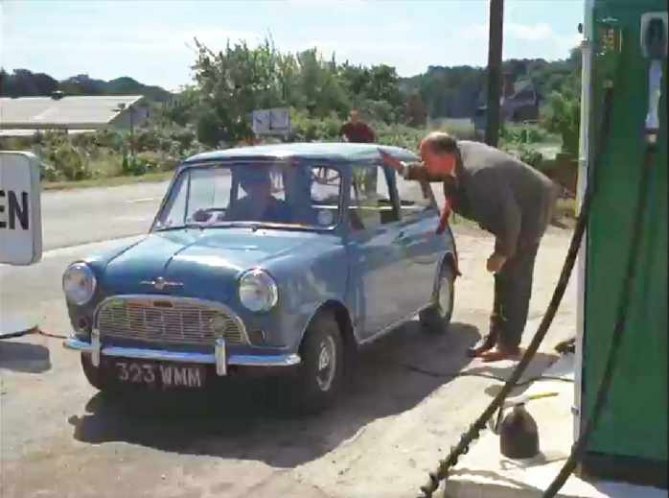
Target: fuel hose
[(462, 447), (619, 329)]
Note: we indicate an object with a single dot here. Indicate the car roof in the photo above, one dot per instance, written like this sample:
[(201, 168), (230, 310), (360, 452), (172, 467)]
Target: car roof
[(335, 151)]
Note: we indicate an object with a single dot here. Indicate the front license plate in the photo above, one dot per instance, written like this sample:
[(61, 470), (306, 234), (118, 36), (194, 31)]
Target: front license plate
[(167, 375)]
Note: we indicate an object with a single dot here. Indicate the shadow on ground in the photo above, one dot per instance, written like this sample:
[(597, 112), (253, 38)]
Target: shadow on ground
[(503, 370), (246, 420), (24, 357)]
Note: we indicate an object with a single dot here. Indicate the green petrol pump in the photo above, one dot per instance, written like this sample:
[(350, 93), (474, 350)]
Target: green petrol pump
[(625, 52)]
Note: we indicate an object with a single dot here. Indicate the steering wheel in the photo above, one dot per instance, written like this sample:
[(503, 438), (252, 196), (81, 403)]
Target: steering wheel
[(204, 215)]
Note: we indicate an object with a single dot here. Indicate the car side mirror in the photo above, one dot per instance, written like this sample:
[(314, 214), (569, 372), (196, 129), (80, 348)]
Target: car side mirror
[(201, 216)]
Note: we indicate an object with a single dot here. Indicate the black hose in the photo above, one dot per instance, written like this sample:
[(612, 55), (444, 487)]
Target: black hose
[(618, 331), (480, 423), (472, 433)]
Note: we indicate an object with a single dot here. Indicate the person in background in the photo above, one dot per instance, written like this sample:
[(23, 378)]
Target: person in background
[(356, 130), (509, 199)]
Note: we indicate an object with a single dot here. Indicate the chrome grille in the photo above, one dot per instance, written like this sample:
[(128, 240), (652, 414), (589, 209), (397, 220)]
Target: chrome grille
[(167, 320)]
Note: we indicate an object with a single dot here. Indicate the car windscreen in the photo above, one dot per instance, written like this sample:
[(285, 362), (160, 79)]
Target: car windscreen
[(288, 193)]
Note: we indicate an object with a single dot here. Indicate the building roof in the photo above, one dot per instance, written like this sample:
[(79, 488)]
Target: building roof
[(337, 151), (30, 132), (66, 112)]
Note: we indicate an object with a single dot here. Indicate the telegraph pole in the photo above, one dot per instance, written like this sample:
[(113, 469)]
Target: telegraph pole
[(495, 38)]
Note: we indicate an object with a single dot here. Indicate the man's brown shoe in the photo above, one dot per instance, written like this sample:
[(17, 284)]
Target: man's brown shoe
[(486, 343), (500, 355)]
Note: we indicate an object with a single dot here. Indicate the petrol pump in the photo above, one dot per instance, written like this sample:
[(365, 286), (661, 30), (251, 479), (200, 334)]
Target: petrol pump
[(624, 55)]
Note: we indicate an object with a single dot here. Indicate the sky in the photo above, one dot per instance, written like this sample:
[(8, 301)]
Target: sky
[(152, 41)]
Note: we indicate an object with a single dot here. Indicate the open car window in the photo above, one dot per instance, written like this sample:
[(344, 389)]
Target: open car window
[(371, 203), (286, 193), (415, 197)]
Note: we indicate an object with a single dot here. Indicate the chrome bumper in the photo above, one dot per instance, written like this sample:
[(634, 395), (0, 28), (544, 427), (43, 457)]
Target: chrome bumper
[(218, 357)]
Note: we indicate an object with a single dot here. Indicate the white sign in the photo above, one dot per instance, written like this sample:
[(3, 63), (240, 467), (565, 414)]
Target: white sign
[(20, 216), (271, 121)]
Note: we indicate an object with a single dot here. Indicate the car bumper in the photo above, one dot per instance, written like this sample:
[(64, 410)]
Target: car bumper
[(217, 357)]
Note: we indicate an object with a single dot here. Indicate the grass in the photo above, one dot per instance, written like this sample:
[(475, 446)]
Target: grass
[(113, 181)]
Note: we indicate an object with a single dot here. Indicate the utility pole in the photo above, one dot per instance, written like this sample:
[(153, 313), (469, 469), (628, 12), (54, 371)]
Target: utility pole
[(495, 38)]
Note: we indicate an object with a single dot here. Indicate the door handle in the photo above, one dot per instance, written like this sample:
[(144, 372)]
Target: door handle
[(401, 237)]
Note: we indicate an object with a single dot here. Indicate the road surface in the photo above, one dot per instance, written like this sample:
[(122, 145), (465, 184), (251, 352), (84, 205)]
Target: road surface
[(87, 215), (401, 412)]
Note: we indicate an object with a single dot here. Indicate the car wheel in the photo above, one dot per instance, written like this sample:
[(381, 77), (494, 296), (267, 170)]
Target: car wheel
[(437, 317), (97, 377), (321, 370)]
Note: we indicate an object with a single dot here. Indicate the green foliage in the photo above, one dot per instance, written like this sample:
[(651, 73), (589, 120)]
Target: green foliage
[(416, 111), (108, 153), (457, 91), (70, 161), (531, 156), (526, 153), (24, 83), (311, 129), (132, 166), (230, 84), (215, 111), (563, 116), (523, 134)]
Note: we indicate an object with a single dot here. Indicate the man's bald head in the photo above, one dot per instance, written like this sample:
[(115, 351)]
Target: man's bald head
[(438, 150), (439, 142)]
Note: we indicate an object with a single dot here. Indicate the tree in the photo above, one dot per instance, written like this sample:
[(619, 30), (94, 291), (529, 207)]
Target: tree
[(230, 84), (24, 83), (563, 116), (416, 112)]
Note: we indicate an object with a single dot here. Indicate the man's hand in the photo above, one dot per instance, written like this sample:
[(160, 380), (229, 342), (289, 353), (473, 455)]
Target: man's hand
[(495, 263), (390, 161)]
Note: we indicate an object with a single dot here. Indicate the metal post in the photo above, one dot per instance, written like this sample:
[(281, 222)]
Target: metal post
[(495, 38), (132, 132), (583, 172)]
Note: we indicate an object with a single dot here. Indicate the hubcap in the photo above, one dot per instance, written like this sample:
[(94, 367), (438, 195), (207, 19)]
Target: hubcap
[(326, 363), (444, 296)]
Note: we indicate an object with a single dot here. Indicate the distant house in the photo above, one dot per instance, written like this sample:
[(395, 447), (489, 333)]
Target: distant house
[(24, 116), (520, 100)]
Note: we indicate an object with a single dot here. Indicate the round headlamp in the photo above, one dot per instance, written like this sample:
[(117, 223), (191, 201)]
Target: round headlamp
[(79, 283), (258, 291)]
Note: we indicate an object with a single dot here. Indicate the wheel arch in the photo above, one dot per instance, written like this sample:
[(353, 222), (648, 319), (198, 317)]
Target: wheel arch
[(341, 315), (449, 259)]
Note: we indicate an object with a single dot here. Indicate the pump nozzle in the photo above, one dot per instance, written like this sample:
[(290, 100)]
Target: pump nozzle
[(654, 35), (654, 46)]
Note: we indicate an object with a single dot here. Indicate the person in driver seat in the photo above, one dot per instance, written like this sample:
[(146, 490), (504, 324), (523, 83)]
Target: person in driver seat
[(259, 204)]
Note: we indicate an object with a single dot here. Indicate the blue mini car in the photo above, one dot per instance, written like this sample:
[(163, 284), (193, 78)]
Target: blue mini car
[(280, 258)]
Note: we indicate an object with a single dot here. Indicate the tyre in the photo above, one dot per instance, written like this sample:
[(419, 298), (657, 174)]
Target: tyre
[(97, 377), (437, 317), (321, 370)]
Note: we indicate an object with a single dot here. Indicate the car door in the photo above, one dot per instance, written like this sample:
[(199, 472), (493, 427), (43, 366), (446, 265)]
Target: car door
[(374, 254), (420, 247)]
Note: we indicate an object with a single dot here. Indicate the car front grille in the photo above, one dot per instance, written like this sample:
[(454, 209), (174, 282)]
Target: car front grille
[(168, 320)]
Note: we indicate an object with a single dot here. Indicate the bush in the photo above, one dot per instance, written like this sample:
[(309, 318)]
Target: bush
[(49, 172), (531, 156), (563, 114), (133, 166), (308, 129), (523, 134), (153, 161), (70, 162)]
